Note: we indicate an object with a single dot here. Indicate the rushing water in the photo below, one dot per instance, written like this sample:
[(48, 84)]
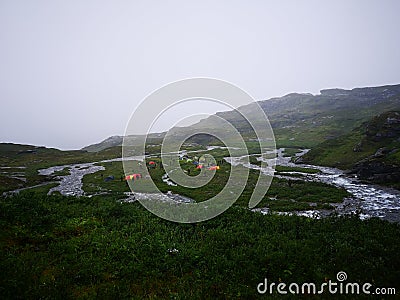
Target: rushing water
[(367, 200), (71, 184)]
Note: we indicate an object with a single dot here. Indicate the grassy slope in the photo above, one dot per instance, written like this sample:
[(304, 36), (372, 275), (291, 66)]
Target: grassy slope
[(305, 120), (340, 152)]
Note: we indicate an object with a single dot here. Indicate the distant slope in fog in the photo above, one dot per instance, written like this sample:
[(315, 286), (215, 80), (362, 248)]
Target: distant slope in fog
[(112, 141), (305, 120), (302, 120)]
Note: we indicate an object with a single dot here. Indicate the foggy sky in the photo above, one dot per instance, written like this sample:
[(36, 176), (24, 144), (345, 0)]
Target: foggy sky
[(72, 72)]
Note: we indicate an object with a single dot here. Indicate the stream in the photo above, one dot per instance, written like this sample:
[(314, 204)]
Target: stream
[(71, 184), (367, 200)]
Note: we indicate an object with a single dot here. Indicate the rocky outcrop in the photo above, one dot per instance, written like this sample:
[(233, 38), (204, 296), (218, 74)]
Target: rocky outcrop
[(385, 126), (377, 171), (381, 167)]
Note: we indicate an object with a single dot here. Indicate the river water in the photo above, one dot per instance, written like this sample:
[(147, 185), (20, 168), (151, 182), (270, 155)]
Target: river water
[(366, 200), (71, 184)]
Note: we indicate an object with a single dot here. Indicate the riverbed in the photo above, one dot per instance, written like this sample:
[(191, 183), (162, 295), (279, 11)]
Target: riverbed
[(367, 200)]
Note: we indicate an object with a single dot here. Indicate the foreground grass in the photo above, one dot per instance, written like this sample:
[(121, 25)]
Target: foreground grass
[(67, 247)]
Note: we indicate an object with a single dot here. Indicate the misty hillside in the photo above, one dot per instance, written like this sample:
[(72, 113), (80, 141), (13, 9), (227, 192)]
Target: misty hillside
[(305, 120), (371, 151), (112, 141), (302, 120)]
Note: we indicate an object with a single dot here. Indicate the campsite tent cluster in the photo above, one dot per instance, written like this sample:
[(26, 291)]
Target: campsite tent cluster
[(211, 168), (199, 163), (137, 176)]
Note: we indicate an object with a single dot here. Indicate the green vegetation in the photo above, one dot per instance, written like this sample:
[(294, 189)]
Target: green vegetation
[(305, 120), (289, 194), (94, 183), (7, 183), (285, 195), (254, 161), (280, 169), (371, 151), (32, 159), (290, 152), (86, 248), (339, 152), (298, 120), (361, 143), (102, 247)]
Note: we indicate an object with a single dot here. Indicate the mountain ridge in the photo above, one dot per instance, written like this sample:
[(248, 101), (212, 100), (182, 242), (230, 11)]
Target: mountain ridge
[(303, 119)]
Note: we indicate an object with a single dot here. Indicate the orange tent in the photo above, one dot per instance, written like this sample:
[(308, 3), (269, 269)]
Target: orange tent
[(214, 168)]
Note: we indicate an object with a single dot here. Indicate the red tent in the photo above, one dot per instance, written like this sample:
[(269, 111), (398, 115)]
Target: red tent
[(152, 163), (133, 177)]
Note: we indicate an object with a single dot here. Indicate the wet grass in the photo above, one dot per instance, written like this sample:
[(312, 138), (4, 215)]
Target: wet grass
[(291, 195), (86, 248), (306, 191), (296, 169), (289, 152), (94, 183), (7, 183), (14, 155)]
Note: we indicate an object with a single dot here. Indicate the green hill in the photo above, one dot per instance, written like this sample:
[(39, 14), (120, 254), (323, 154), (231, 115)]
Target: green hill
[(305, 120), (371, 151), (300, 120)]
